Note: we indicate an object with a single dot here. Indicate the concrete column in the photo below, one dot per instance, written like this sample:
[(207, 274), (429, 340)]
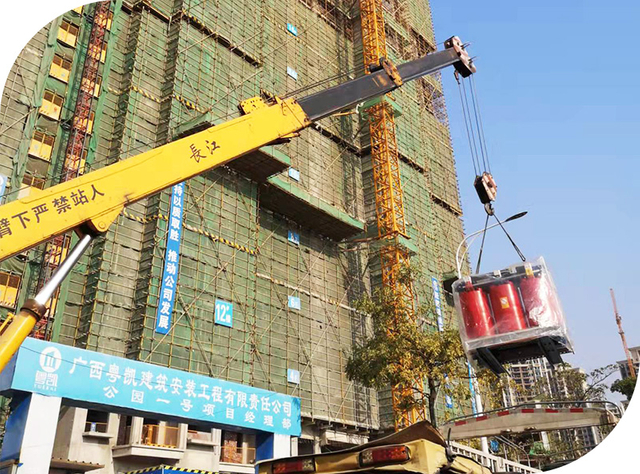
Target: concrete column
[(183, 430), (30, 433), (245, 449), (71, 425), (135, 436), (112, 427), (216, 437), (294, 446)]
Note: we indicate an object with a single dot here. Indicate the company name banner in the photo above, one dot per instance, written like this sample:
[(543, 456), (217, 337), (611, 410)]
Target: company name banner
[(77, 374), (171, 261)]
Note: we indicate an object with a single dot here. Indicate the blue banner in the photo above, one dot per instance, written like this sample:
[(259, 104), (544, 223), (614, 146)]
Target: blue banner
[(171, 261), (437, 302), (91, 377)]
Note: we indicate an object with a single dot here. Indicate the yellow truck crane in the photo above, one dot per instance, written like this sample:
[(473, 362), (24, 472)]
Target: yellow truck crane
[(418, 449), (89, 203)]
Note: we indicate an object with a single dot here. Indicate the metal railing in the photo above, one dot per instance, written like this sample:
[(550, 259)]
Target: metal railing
[(95, 427), (234, 455), (158, 435), (607, 406), (494, 463)]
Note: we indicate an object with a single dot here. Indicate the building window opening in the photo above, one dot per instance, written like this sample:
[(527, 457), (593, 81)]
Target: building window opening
[(60, 68), (170, 434), (68, 33), (9, 286), (97, 422), (41, 145), (237, 448), (28, 183), (305, 446), (51, 105), (156, 434), (124, 431)]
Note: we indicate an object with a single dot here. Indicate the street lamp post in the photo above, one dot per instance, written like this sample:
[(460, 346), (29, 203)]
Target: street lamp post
[(475, 235)]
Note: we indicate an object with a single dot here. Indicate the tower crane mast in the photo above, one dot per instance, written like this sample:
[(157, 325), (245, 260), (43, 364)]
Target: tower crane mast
[(632, 369), (389, 200)]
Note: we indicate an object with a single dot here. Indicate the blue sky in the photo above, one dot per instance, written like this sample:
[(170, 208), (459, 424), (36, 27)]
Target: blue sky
[(558, 88)]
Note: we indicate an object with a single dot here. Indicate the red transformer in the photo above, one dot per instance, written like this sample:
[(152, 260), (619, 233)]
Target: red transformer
[(506, 307), (511, 314), (476, 314), (539, 301)]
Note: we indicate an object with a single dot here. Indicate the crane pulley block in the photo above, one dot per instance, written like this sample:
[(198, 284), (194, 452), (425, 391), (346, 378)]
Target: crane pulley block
[(486, 188)]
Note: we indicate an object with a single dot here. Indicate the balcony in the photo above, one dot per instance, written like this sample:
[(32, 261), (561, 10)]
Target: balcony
[(161, 436), (149, 440)]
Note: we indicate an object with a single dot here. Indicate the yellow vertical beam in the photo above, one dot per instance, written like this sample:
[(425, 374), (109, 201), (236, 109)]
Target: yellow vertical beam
[(388, 195)]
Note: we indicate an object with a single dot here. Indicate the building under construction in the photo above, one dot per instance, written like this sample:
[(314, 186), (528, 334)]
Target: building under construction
[(287, 237)]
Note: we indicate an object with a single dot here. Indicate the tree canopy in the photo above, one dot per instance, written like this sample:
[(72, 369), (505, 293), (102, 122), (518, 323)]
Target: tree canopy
[(624, 386), (403, 348)]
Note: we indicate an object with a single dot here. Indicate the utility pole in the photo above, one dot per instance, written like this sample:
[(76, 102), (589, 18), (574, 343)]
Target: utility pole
[(632, 369)]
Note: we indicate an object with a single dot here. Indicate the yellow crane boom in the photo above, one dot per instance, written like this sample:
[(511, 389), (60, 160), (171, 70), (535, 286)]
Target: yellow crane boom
[(95, 199), (90, 203)]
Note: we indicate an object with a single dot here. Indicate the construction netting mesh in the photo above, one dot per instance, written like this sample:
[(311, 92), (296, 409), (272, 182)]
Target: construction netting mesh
[(169, 63)]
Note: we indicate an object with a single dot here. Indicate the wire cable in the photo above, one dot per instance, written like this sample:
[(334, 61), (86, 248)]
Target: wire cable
[(484, 141), (515, 246), (484, 234), (466, 125), (473, 135), (476, 113)]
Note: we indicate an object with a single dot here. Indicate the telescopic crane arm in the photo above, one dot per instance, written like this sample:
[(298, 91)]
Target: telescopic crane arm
[(90, 203)]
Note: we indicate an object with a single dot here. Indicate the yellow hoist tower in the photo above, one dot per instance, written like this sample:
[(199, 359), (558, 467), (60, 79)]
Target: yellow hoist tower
[(388, 194)]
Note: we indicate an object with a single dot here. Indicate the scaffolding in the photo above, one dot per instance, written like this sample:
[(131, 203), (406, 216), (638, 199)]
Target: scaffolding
[(171, 66)]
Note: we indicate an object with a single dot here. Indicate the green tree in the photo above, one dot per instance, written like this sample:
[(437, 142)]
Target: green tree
[(400, 351), (624, 386), (571, 384)]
